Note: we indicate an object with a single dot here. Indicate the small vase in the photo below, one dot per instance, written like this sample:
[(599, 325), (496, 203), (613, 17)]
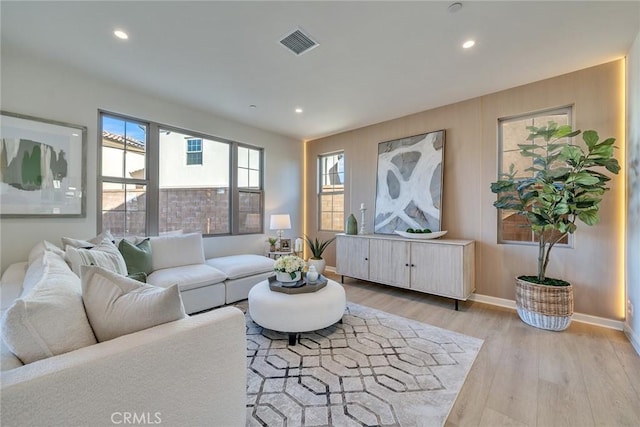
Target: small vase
[(312, 274), (285, 277), (352, 225), (272, 248)]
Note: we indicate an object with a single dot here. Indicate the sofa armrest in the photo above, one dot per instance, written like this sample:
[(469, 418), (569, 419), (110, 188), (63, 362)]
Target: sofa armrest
[(188, 372)]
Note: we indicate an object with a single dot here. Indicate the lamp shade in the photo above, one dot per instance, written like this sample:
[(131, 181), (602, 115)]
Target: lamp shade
[(280, 222)]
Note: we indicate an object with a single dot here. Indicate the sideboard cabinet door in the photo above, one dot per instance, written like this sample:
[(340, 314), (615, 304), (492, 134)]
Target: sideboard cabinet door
[(437, 269), (389, 262), (352, 257)]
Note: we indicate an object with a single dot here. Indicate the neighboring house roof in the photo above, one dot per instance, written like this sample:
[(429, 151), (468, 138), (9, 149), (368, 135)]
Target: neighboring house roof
[(113, 140)]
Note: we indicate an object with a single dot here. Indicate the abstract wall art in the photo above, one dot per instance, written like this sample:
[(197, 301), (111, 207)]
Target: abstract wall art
[(42, 167), (409, 183)]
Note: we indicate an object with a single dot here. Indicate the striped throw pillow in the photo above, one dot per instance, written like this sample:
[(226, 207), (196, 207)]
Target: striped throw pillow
[(105, 255)]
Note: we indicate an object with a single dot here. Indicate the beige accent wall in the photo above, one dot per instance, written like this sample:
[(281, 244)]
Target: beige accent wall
[(632, 326), (594, 265)]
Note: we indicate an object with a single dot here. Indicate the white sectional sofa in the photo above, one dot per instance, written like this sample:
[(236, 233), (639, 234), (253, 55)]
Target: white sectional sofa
[(186, 372), (204, 283)]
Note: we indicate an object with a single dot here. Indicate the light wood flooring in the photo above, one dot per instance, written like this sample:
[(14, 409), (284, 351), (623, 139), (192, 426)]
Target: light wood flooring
[(523, 376)]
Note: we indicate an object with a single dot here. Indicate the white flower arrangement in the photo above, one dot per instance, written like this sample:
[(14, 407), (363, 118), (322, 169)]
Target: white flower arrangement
[(289, 264)]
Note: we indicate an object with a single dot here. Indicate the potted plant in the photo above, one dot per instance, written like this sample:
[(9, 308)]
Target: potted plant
[(272, 243), (317, 247), (288, 268), (564, 186)]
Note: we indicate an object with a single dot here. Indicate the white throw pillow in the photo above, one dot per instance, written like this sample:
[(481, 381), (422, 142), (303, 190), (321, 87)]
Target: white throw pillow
[(39, 249), (176, 251), (79, 243), (50, 319), (105, 255), (117, 305)]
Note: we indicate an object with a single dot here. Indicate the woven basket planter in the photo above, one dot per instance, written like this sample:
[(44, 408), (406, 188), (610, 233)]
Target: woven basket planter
[(543, 306)]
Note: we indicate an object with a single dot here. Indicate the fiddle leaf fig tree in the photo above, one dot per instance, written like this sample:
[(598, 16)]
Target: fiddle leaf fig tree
[(563, 185)]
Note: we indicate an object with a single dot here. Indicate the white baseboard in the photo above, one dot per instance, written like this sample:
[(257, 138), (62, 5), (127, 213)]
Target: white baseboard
[(330, 268), (618, 325), (633, 338)]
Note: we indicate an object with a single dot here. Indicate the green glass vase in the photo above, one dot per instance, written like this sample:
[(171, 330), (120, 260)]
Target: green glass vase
[(352, 225)]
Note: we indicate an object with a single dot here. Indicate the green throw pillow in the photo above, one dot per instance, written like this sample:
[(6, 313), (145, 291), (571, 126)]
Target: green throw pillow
[(140, 277), (137, 257)]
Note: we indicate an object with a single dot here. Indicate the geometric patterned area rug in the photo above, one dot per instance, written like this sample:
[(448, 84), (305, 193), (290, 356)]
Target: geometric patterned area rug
[(373, 369)]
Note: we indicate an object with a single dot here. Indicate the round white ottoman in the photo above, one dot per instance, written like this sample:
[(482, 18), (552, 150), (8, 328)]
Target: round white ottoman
[(293, 313)]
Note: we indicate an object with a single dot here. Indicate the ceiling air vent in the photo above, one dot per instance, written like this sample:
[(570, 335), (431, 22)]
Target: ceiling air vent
[(298, 42)]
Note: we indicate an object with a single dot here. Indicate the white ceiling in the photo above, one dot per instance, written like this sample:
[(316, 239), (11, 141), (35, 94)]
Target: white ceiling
[(376, 60)]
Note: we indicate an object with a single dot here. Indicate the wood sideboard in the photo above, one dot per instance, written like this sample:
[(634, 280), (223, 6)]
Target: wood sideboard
[(438, 266)]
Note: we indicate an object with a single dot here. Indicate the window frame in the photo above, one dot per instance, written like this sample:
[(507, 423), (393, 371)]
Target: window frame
[(189, 151), (568, 109), (101, 179), (321, 192), (152, 176), (237, 189)]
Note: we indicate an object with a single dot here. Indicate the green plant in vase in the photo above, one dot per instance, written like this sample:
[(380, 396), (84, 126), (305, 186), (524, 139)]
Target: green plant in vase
[(317, 248), (272, 243), (565, 185)]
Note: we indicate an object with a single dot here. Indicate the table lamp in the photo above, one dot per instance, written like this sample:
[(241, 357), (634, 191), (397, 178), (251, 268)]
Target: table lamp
[(280, 222)]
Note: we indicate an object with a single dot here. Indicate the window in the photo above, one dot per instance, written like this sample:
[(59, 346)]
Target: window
[(331, 192), (146, 188), (249, 194), (124, 181), (513, 228), (193, 199), (194, 151)]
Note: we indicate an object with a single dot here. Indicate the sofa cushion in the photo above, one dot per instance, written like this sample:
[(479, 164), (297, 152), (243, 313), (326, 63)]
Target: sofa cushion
[(36, 270), (176, 251), (8, 360), (117, 305), (187, 276), (39, 249), (11, 283), (79, 243), (50, 319), (137, 256), (104, 255), (237, 266)]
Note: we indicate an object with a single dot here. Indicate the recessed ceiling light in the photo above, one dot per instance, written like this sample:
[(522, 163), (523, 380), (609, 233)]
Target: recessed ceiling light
[(468, 44), (121, 34), (253, 106), (299, 110)]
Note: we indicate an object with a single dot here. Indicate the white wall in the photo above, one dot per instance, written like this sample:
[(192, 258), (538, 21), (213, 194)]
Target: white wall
[(40, 88), (632, 324), (175, 173)]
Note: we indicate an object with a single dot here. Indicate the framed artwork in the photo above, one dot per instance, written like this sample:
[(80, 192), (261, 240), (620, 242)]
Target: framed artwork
[(409, 183), (285, 245), (42, 167)]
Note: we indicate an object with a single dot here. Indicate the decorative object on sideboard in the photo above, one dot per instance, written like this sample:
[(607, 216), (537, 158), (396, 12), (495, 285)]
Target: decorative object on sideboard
[(421, 236), (280, 222), (43, 167), (317, 248), (352, 225), (288, 268), (409, 183), (563, 186), (363, 210)]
